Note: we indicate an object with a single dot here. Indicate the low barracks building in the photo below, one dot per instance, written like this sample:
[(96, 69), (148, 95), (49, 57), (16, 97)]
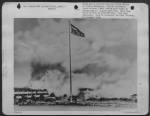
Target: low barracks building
[(29, 91), (28, 95)]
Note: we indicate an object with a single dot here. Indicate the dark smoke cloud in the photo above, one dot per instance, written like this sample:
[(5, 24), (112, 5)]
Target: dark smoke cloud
[(39, 70), (94, 69)]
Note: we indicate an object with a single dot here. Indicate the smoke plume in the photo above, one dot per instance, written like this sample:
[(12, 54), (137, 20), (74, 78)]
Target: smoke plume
[(101, 61)]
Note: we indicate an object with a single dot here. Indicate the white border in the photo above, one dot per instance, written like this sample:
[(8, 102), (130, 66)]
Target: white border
[(9, 12)]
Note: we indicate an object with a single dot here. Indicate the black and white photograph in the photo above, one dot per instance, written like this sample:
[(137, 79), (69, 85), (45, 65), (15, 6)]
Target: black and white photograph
[(75, 64)]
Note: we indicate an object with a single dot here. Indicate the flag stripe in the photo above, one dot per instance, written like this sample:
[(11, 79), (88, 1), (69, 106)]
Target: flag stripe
[(76, 31)]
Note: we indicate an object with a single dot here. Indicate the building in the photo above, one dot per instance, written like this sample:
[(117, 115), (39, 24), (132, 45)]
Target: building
[(134, 97), (29, 91), (84, 93), (29, 96)]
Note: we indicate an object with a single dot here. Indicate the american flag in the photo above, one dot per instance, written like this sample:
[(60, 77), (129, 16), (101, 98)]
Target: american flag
[(76, 31)]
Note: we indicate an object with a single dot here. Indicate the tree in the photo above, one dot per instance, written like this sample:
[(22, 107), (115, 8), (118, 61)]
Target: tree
[(52, 94), (65, 95)]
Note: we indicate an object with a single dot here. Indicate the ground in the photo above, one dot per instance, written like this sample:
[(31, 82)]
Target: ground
[(106, 105)]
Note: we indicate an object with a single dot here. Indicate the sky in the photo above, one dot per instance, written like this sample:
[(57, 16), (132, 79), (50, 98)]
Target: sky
[(104, 60)]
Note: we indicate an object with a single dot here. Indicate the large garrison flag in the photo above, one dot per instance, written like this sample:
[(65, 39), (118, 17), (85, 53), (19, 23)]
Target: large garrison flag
[(76, 31)]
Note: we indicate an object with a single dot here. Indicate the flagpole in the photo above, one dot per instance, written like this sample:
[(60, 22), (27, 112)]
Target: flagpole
[(70, 65)]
